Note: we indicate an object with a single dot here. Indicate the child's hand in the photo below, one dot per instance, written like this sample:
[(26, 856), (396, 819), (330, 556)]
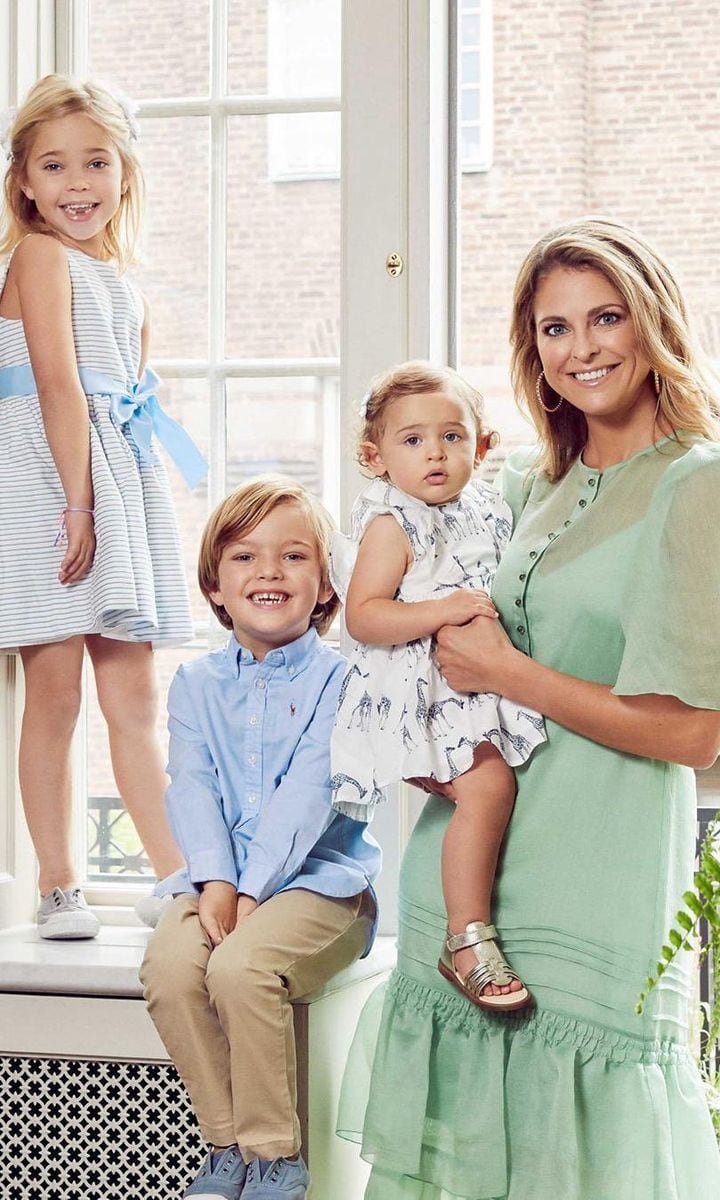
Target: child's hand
[(245, 906), (433, 787), (217, 909), (462, 606), (80, 547)]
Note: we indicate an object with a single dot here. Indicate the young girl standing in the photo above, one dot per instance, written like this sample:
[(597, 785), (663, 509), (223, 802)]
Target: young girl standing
[(89, 549), (425, 541)]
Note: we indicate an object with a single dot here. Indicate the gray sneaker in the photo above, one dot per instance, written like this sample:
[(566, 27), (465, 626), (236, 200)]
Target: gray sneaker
[(66, 915), (279, 1179), (221, 1176)]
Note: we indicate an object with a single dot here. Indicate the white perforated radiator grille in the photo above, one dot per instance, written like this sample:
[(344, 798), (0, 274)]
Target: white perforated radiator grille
[(94, 1130)]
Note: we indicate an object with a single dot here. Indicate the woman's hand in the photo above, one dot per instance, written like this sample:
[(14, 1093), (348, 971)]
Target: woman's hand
[(80, 530), (464, 605), (477, 657), (217, 909)]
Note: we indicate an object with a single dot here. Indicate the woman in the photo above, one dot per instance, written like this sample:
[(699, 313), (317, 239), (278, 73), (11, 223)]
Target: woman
[(608, 595)]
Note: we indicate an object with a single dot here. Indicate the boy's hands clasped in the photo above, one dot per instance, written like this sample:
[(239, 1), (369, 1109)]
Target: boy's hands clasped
[(220, 909)]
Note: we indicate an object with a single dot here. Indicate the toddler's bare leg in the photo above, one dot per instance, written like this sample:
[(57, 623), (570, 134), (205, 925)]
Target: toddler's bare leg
[(484, 801)]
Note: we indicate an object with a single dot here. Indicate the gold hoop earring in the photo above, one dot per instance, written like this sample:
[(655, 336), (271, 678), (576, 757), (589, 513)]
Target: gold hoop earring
[(538, 393), (656, 378)]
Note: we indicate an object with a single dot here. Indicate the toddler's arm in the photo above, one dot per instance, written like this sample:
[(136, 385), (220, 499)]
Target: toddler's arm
[(374, 616)]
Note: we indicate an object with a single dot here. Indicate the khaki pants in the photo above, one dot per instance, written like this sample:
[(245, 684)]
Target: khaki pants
[(225, 1015)]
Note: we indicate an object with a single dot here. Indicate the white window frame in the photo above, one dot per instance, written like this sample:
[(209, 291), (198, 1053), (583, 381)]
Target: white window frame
[(394, 200)]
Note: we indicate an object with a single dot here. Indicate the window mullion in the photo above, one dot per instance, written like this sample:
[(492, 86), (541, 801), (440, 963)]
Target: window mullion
[(217, 281)]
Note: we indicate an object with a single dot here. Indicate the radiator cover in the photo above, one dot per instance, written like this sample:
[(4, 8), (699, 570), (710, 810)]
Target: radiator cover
[(94, 1130)]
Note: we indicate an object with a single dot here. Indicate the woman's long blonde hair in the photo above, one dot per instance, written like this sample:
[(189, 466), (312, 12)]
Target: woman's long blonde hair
[(689, 389), (50, 98)]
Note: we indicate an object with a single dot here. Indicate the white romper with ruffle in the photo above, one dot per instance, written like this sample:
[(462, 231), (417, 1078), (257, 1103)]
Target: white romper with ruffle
[(397, 717)]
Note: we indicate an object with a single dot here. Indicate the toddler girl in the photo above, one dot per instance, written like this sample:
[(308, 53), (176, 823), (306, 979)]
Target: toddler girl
[(425, 542), (89, 549)]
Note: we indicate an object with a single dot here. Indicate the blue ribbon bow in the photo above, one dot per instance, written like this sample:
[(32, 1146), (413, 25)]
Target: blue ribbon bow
[(138, 408)]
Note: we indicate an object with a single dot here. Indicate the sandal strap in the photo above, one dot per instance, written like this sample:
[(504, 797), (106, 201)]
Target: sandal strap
[(475, 933), (486, 973)]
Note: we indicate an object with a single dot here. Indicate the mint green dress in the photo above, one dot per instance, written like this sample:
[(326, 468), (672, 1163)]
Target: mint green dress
[(611, 576)]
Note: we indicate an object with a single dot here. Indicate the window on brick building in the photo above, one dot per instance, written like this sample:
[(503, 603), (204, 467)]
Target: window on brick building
[(475, 85), (304, 55)]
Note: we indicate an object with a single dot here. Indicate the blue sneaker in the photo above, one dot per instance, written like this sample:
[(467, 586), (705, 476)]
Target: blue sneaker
[(280, 1179), (221, 1177)]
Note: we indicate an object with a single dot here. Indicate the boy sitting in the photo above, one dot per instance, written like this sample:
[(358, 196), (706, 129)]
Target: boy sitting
[(284, 897)]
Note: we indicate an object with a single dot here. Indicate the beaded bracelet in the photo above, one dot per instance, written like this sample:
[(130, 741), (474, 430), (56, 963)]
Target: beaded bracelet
[(61, 535)]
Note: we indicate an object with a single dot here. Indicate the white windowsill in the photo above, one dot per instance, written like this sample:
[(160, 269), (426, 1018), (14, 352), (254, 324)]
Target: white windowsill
[(108, 964)]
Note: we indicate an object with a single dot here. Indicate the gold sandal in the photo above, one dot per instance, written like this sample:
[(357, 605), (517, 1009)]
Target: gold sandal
[(491, 968)]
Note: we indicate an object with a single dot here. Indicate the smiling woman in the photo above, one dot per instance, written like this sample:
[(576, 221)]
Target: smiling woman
[(607, 595)]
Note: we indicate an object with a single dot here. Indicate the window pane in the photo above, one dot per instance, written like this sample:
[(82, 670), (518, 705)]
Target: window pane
[(470, 66), (470, 104), (471, 29), (470, 144), (283, 246), (149, 50), (558, 159), (284, 47), (174, 269), (286, 420)]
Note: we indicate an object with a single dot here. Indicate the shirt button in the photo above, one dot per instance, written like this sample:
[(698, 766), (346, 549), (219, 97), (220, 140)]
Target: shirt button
[(522, 577), (551, 536), (568, 523), (533, 553), (252, 759), (521, 628), (252, 797), (260, 684), (253, 720), (518, 603), (591, 483), (291, 669), (582, 503)]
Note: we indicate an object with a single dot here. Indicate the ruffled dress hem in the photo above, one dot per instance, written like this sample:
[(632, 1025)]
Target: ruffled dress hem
[(449, 1102)]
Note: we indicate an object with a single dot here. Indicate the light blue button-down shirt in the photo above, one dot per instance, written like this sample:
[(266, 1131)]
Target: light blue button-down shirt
[(249, 798)]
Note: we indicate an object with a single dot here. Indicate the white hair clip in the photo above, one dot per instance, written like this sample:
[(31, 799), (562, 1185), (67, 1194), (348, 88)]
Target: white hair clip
[(363, 405), (130, 109), (7, 120)]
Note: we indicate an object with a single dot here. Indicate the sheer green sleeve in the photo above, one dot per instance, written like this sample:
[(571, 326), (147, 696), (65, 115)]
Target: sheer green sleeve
[(671, 610), (515, 478)]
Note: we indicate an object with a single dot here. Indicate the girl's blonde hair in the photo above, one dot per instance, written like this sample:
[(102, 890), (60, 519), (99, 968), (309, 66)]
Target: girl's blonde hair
[(415, 378), (688, 395), (50, 98), (240, 512)]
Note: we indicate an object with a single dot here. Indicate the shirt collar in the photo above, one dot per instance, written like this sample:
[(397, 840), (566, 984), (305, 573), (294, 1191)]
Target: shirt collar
[(294, 657)]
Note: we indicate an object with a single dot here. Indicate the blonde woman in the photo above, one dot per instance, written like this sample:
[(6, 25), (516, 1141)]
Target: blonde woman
[(89, 550), (608, 594)]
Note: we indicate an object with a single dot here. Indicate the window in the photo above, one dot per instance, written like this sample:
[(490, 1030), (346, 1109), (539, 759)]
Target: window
[(241, 274), (475, 85), (245, 273)]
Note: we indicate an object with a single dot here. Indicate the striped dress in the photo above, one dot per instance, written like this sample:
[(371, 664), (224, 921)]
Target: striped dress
[(135, 590)]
